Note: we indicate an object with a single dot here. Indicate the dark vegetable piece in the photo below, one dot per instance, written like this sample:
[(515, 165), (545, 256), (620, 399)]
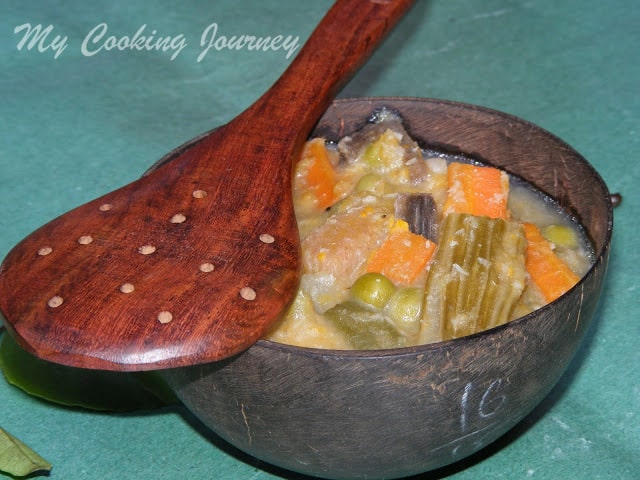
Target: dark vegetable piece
[(420, 212)]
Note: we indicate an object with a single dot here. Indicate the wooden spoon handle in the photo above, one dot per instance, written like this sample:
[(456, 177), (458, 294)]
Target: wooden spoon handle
[(337, 48)]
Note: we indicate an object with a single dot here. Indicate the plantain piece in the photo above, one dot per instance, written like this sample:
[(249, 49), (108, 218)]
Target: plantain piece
[(476, 277), (365, 328), (420, 212)]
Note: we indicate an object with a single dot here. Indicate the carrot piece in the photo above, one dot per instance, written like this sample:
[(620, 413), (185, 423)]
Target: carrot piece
[(547, 271), (480, 191), (403, 256), (321, 176)]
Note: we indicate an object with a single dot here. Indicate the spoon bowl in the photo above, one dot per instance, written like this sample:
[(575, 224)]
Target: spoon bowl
[(193, 262)]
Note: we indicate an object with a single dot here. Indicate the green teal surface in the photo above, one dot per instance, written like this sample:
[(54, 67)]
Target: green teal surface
[(80, 125)]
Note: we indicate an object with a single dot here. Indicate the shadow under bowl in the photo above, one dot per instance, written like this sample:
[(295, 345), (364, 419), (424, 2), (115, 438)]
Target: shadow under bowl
[(394, 413)]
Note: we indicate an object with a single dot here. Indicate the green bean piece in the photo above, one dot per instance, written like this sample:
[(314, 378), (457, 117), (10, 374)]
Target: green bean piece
[(373, 290), (475, 279), (364, 329)]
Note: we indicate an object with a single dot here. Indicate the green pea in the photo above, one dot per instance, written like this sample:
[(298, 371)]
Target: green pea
[(372, 289), (370, 182), (561, 235), (405, 309), (372, 154)]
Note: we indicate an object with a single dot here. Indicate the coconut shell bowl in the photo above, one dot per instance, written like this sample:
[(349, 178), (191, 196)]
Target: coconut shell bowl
[(395, 413)]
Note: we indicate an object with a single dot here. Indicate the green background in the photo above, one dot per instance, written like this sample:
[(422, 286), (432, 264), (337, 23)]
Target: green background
[(74, 127)]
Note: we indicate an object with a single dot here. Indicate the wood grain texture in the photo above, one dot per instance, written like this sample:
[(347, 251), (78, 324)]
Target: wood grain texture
[(119, 283)]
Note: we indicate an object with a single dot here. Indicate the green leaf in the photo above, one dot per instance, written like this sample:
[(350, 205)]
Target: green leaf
[(78, 387), (18, 459)]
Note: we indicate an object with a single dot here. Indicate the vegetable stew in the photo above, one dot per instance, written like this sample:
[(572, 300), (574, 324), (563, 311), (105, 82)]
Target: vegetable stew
[(404, 246)]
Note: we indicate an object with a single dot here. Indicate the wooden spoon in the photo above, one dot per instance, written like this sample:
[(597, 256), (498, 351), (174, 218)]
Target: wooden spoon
[(193, 262)]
